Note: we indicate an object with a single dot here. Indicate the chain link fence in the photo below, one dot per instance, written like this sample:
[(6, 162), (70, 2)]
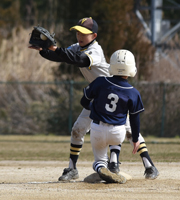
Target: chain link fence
[(31, 108)]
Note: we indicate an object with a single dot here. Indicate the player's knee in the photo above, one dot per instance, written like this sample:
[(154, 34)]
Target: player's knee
[(80, 129), (77, 135)]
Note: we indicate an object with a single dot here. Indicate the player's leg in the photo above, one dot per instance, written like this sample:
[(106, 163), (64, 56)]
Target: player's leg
[(113, 164), (100, 137), (151, 171), (80, 128)]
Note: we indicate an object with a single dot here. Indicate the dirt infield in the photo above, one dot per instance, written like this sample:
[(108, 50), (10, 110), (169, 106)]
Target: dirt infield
[(31, 180)]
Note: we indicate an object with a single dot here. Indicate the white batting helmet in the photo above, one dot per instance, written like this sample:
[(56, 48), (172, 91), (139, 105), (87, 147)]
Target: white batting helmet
[(122, 63)]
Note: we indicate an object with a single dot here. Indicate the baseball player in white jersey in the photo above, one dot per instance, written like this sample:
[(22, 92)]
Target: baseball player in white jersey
[(88, 55)]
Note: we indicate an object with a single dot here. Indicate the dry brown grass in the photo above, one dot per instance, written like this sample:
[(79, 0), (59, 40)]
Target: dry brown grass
[(19, 63)]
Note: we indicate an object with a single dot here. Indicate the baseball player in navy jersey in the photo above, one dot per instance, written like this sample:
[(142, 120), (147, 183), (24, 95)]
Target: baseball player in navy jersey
[(88, 55), (110, 99)]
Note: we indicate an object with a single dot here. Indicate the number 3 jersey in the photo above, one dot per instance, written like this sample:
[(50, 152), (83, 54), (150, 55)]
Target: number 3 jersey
[(111, 99)]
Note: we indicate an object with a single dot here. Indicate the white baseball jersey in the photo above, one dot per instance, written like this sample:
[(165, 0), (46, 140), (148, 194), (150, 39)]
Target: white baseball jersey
[(98, 65)]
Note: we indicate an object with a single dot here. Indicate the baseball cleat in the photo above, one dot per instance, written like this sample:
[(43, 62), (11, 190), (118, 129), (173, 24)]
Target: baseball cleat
[(114, 167), (151, 173), (69, 174), (110, 177)]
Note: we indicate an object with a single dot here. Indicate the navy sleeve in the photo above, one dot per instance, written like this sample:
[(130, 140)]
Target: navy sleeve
[(92, 89), (135, 126), (135, 103), (86, 100), (86, 103), (79, 59)]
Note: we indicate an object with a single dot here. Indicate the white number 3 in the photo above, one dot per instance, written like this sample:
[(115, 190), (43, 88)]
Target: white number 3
[(114, 99)]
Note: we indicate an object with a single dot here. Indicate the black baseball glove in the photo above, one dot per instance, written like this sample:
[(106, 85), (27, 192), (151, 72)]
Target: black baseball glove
[(40, 37)]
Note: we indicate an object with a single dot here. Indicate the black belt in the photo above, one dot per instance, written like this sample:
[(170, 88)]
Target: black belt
[(96, 122)]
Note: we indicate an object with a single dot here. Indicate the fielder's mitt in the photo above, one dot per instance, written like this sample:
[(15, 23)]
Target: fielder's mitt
[(40, 37)]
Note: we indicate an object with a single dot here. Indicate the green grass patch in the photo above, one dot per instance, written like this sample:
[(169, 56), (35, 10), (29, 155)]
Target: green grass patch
[(57, 148)]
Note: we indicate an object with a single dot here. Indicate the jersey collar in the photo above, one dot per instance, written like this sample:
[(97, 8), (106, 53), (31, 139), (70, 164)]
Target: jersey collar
[(119, 82), (85, 47)]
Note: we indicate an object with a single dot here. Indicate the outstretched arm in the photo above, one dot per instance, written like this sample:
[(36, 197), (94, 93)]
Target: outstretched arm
[(79, 59), (48, 54)]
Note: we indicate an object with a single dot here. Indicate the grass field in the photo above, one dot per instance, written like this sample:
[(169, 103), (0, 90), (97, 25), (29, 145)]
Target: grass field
[(56, 148)]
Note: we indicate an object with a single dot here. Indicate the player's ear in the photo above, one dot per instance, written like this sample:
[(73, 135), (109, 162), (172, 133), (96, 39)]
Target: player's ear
[(95, 35)]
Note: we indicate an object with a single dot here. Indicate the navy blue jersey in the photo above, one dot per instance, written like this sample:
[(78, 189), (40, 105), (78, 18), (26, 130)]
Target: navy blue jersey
[(112, 98)]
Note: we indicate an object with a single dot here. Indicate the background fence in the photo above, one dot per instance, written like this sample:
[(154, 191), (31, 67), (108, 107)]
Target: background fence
[(51, 108)]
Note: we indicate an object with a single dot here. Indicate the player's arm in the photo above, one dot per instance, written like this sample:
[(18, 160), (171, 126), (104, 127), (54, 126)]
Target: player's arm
[(86, 103), (78, 59), (85, 100), (135, 127), (89, 94)]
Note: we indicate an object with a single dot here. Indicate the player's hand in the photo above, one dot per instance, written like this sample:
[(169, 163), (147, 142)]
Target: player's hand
[(36, 48), (52, 48), (136, 146)]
